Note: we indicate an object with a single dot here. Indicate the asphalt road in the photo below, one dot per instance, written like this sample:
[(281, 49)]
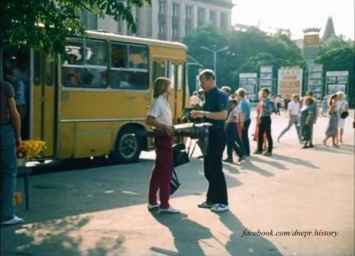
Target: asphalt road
[(298, 202)]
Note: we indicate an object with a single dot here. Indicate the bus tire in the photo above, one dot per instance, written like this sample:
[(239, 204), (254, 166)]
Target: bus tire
[(128, 147)]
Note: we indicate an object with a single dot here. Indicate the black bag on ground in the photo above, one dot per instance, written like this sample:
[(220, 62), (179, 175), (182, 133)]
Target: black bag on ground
[(180, 155), (174, 183)]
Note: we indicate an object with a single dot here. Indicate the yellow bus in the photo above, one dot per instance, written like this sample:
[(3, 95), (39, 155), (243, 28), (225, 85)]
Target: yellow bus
[(93, 100)]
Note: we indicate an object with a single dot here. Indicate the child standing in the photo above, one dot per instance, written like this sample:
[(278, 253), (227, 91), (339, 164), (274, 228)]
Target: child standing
[(232, 133)]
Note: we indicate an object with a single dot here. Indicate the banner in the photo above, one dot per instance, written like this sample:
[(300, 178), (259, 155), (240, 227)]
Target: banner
[(266, 78), (290, 81), (337, 81), (315, 81), (248, 81)]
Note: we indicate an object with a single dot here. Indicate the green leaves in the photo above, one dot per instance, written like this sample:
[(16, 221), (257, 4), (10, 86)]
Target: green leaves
[(60, 18)]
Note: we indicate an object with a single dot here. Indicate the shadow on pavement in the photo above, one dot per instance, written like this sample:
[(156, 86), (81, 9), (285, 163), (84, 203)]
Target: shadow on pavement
[(188, 236), (55, 239), (245, 245), (269, 161), (186, 233), (343, 149), (295, 161)]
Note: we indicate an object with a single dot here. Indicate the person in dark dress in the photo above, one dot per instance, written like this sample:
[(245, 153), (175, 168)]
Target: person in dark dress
[(306, 118)]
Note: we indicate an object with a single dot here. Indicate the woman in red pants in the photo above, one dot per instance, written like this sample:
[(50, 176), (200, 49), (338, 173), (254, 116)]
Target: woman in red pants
[(160, 117)]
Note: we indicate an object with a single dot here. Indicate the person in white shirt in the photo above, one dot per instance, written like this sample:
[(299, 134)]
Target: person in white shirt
[(160, 117), (294, 111), (342, 106)]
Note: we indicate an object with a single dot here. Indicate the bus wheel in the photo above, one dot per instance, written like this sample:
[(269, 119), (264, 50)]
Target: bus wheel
[(128, 147)]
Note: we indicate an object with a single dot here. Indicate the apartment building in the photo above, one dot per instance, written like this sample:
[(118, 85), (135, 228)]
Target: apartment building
[(168, 19)]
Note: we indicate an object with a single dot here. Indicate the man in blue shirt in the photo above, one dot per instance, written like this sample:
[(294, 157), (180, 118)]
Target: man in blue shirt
[(244, 106), (267, 108), (215, 112)]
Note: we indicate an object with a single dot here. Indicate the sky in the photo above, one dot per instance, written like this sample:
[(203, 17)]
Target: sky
[(296, 15)]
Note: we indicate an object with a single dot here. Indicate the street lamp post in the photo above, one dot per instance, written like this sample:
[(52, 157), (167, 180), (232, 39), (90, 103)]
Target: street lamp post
[(215, 57)]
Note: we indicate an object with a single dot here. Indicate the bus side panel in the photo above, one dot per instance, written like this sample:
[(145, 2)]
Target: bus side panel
[(66, 140), (49, 119), (92, 139)]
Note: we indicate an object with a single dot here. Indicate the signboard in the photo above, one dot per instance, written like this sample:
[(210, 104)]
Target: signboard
[(248, 81), (315, 81), (290, 81), (266, 78), (337, 81)]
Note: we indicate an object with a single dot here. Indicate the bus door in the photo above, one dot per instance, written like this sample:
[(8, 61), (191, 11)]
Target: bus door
[(44, 101)]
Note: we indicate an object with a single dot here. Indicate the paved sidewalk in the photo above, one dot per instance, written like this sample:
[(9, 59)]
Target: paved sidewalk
[(102, 210)]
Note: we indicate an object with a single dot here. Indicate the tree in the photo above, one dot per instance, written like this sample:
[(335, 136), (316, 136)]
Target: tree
[(248, 50), (61, 18), (338, 55)]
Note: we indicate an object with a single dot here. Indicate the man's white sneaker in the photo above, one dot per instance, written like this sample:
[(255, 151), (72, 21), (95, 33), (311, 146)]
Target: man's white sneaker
[(153, 206), (15, 220), (220, 208), (169, 210)]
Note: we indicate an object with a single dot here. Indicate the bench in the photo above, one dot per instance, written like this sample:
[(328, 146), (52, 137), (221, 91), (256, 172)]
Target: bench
[(24, 172)]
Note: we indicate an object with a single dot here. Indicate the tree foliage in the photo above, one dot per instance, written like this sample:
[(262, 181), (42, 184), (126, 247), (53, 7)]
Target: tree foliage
[(248, 50), (339, 55), (61, 18)]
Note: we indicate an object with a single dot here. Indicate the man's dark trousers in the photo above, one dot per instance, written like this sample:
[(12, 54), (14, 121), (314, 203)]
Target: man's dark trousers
[(265, 126), (213, 167), (245, 137)]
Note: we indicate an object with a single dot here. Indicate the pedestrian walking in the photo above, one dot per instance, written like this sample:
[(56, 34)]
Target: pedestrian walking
[(331, 131), (214, 112), (257, 123), (10, 138), (306, 118), (342, 108), (294, 111), (314, 117), (159, 116)]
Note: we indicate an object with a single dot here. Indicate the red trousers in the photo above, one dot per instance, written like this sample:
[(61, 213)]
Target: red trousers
[(162, 171)]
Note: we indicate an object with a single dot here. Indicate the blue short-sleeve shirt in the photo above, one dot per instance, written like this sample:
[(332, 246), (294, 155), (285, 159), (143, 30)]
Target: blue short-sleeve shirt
[(244, 107), (268, 104), (216, 101)]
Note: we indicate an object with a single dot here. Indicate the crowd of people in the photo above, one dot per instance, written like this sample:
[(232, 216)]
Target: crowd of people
[(230, 116)]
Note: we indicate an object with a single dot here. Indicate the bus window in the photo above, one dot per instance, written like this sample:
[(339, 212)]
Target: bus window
[(129, 67), (49, 71), (172, 75), (85, 64), (180, 78)]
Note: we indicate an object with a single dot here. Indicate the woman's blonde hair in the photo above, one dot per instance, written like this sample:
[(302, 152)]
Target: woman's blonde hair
[(161, 85)]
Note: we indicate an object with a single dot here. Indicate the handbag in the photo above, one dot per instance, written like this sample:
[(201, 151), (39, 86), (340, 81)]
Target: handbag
[(174, 183), (180, 155), (344, 115)]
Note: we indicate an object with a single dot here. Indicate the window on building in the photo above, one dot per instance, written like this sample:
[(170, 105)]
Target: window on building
[(161, 28), (175, 30), (188, 29), (224, 19), (162, 7), (89, 20), (176, 10), (213, 19), (188, 12), (201, 15)]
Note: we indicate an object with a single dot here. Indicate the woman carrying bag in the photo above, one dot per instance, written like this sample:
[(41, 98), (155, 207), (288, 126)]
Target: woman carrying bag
[(160, 117)]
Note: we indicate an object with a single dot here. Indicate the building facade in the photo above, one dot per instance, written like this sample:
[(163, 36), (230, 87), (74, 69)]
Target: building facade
[(168, 19)]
